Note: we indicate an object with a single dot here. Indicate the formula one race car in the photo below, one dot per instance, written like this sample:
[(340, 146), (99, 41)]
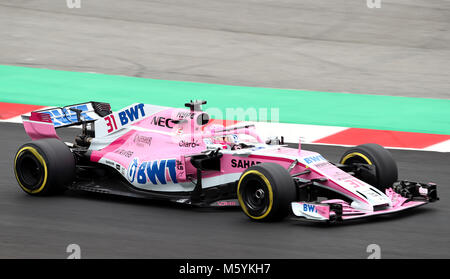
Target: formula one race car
[(183, 156)]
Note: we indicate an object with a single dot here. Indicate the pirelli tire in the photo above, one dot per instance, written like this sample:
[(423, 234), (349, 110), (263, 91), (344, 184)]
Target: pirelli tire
[(386, 171), (265, 192), (44, 167)]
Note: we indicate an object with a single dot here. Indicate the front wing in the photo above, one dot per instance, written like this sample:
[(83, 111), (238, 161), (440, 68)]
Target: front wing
[(404, 195)]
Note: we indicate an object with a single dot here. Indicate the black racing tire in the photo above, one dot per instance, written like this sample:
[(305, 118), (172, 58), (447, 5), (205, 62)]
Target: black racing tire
[(265, 192), (386, 171), (44, 167)]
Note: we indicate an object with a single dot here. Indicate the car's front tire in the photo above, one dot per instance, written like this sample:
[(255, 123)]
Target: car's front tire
[(265, 192), (386, 172), (44, 167)]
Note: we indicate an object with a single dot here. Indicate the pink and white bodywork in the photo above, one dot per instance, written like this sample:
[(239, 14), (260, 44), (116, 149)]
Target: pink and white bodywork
[(151, 146)]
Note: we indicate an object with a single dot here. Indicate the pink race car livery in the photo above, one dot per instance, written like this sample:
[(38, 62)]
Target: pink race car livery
[(183, 156)]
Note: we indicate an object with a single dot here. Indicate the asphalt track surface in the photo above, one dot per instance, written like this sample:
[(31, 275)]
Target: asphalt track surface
[(109, 227), (401, 49)]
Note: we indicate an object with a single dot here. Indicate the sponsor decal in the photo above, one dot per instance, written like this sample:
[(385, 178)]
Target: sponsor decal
[(118, 167), (152, 171), (132, 169), (226, 203), (314, 159), (179, 131), (131, 114), (125, 153), (111, 163), (142, 140), (126, 116), (65, 116), (189, 144), (316, 211), (323, 165), (243, 163), (180, 170), (162, 122), (180, 166), (309, 208), (184, 115), (235, 138)]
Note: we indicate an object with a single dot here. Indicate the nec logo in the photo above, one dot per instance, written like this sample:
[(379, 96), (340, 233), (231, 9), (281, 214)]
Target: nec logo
[(131, 114), (153, 171), (162, 122)]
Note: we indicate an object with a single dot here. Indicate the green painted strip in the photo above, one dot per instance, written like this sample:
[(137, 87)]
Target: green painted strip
[(50, 87)]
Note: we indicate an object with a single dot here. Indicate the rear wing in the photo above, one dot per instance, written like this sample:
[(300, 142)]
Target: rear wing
[(67, 116), (42, 123)]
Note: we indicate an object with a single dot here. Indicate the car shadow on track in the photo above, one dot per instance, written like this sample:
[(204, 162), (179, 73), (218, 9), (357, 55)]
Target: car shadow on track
[(146, 202), (169, 205)]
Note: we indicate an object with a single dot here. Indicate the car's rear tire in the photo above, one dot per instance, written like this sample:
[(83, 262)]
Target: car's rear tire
[(44, 167), (386, 172), (265, 192)]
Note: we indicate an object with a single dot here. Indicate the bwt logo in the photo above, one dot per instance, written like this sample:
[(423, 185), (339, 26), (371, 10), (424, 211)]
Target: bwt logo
[(153, 171), (309, 208), (314, 159), (131, 114), (73, 4)]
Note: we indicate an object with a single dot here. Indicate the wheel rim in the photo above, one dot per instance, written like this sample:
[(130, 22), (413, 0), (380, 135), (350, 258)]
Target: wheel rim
[(29, 170), (255, 196), (356, 157)]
